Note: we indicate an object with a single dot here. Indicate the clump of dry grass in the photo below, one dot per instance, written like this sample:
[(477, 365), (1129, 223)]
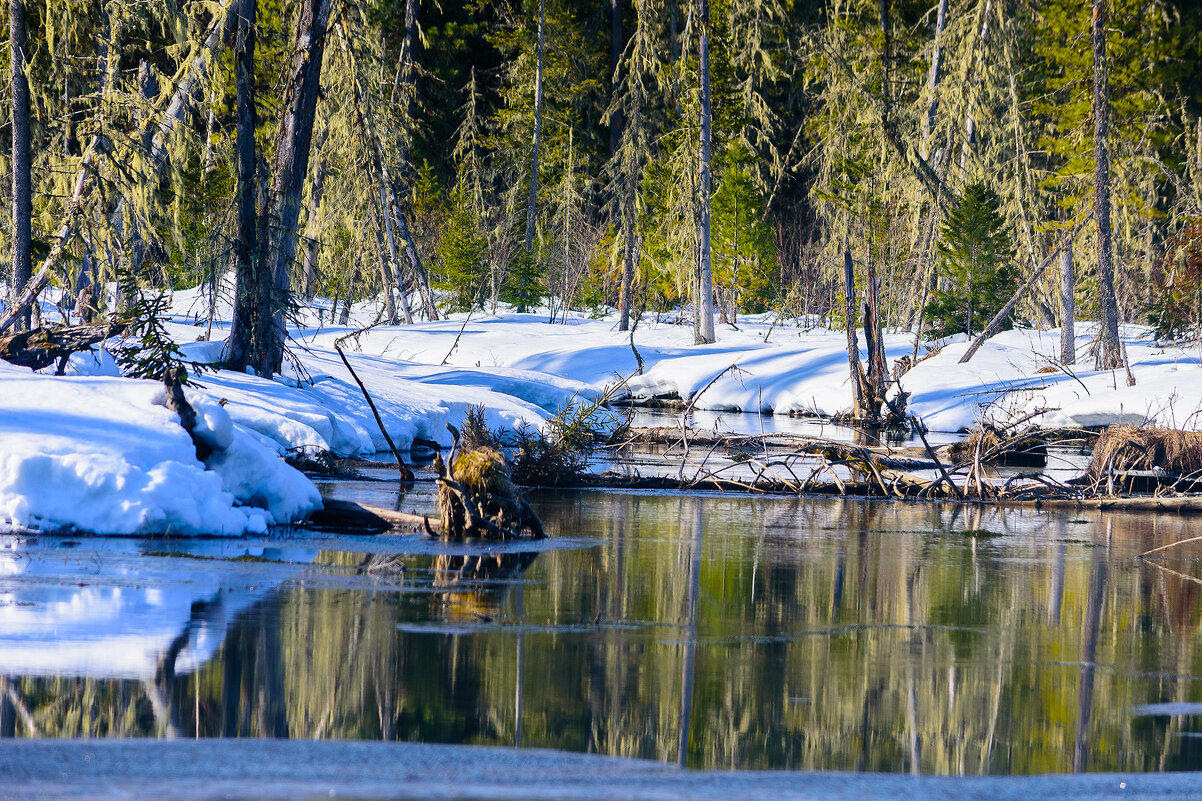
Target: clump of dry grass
[(1127, 447)]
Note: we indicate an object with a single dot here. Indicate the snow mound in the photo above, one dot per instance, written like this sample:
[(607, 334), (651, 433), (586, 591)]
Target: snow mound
[(104, 455)]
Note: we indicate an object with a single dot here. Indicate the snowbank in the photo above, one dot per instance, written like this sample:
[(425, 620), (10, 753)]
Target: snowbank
[(105, 455)]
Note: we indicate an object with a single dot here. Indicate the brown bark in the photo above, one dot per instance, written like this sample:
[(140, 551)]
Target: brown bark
[(1108, 355), (42, 347), (246, 243), (878, 378)]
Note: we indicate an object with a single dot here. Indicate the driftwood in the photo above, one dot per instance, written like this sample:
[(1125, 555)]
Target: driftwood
[(42, 347)]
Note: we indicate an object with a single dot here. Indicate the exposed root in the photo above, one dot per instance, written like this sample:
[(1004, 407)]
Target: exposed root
[(477, 498)]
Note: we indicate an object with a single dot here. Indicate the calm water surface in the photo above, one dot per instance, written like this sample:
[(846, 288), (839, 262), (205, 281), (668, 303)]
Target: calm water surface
[(718, 631)]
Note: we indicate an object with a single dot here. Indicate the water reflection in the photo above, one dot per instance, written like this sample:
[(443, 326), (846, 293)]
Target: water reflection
[(713, 631)]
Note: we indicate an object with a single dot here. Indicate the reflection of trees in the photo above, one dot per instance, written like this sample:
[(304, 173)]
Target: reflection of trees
[(814, 634)]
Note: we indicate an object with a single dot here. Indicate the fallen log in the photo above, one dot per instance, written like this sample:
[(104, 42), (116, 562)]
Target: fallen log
[(42, 347), (339, 515)]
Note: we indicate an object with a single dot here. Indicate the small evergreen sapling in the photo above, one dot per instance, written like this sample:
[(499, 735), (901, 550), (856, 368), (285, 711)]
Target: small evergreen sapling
[(147, 349), (975, 250)]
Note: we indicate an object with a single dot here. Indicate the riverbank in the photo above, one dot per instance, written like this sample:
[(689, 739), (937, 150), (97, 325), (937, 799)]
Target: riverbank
[(110, 443)]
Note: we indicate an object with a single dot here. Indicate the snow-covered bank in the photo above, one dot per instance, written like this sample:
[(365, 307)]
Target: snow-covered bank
[(105, 455), (100, 453)]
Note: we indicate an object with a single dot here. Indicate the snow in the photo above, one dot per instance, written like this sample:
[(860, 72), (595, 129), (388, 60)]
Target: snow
[(93, 451), (105, 455)]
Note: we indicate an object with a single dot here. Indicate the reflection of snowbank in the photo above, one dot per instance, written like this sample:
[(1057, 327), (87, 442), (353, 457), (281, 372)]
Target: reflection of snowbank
[(108, 612)]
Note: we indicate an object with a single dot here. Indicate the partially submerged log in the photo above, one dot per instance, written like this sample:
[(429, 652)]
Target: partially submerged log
[(360, 518), (42, 347)]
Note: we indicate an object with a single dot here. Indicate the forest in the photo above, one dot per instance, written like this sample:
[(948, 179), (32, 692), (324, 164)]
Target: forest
[(691, 160)]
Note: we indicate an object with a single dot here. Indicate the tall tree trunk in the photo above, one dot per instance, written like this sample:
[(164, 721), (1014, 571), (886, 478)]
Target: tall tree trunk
[(933, 77), (408, 87), (1108, 353), (877, 375), (22, 265), (393, 264), (1068, 310), (626, 294), (313, 221), (532, 201), (292, 165), (626, 204), (704, 332), (616, 44), (853, 346), (246, 244)]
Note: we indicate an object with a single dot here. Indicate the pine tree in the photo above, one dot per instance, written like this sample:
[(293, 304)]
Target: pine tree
[(975, 251)]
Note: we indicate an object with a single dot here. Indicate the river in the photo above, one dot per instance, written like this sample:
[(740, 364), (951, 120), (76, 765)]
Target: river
[(714, 631)]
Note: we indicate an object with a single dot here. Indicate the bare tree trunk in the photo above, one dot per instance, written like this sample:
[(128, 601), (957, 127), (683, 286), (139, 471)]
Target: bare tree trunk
[(292, 165), (246, 244), (532, 201), (22, 265), (626, 204), (1068, 303), (313, 222), (386, 273), (415, 261), (616, 43), (1108, 354), (853, 346), (705, 273), (933, 77), (877, 371), (626, 292), (148, 84), (393, 267), (408, 86)]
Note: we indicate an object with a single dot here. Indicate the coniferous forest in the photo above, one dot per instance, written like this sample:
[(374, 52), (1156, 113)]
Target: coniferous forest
[(696, 160)]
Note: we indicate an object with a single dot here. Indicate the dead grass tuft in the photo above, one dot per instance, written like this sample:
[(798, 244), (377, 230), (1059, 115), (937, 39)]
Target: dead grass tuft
[(1127, 447)]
